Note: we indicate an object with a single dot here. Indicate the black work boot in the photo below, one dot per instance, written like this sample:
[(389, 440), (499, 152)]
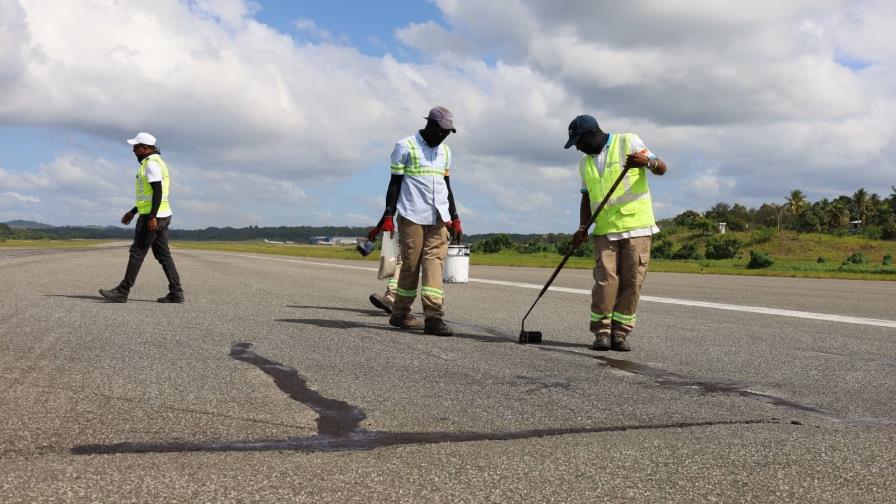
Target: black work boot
[(619, 343), (601, 341), (437, 327), (172, 297), (114, 295), (383, 302), (407, 322)]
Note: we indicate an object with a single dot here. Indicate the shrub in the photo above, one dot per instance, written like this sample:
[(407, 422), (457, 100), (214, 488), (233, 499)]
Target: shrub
[(661, 249), (873, 232), (759, 260), (532, 247), (584, 250), (724, 247), (494, 244), (763, 235), (686, 251), (856, 258), (888, 260)]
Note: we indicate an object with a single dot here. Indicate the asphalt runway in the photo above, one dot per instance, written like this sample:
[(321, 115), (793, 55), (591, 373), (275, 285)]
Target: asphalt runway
[(277, 381)]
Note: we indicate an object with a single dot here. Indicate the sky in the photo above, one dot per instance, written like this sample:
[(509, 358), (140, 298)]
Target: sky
[(276, 112)]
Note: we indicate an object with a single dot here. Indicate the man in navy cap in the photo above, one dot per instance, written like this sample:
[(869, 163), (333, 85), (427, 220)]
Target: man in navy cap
[(622, 231), (420, 192)]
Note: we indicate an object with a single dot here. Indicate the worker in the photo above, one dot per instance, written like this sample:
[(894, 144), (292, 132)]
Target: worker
[(420, 191), (151, 231), (622, 231)]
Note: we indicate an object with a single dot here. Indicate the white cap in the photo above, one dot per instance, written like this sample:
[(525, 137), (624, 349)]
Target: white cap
[(143, 138)]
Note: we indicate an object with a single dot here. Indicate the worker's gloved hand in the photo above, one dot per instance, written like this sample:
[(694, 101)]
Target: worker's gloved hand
[(374, 232), (389, 226), (454, 227), (579, 237)]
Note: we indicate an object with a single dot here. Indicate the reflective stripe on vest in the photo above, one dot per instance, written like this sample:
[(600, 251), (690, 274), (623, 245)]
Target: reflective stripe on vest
[(630, 206), (144, 190), (414, 169)]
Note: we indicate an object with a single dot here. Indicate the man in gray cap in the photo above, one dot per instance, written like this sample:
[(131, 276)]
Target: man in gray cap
[(623, 229), (420, 191), (152, 224)]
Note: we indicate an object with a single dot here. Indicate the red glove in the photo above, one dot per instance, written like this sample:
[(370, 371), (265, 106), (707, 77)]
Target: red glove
[(388, 225), (374, 232), (455, 227)]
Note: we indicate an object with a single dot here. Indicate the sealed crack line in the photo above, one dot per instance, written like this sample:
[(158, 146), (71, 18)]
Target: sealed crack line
[(339, 424), (669, 379)]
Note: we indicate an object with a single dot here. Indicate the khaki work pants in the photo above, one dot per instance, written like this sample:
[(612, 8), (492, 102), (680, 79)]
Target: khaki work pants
[(392, 283), (619, 271), (422, 247)]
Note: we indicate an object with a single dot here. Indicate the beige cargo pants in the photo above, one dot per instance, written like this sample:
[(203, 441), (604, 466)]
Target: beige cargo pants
[(619, 271), (422, 247)]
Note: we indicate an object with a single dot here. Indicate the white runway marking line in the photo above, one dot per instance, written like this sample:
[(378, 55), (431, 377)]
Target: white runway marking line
[(827, 317)]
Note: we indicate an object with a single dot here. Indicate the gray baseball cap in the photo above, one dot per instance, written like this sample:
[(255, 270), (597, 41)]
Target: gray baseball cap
[(443, 116)]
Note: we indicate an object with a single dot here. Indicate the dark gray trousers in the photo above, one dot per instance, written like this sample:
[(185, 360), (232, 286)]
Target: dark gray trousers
[(144, 240)]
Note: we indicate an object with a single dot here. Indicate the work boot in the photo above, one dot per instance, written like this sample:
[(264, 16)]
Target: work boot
[(407, 322), (114, 295), (437, 327), (619, 343), (383, 302), (601, 341), (172, 297)]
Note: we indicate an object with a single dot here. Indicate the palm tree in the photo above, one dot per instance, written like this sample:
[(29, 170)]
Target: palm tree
[(860, 204), (839, 215), (796, 202)]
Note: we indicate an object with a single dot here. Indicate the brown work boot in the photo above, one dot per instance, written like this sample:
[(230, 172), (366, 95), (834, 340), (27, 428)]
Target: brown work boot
[(437, 327), (407, 322), (383, 302), (619, 343), (601, 341)]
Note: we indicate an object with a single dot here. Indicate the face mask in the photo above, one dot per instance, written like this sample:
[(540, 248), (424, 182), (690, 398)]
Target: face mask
[(594, 142), (434, 134)]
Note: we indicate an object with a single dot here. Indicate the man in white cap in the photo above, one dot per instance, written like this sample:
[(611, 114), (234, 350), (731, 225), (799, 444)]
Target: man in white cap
[(420, 192), (152, 225)]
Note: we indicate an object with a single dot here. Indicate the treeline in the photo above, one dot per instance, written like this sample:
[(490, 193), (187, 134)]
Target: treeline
[(281, 233), (8, 233), (875, 215)]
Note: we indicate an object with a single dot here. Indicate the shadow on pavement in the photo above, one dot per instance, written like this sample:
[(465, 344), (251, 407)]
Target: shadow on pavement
[(491, 336), (99, 299), (372, 313)]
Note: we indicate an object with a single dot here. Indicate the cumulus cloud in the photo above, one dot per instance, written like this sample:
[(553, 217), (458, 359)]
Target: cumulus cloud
[(742, 103)]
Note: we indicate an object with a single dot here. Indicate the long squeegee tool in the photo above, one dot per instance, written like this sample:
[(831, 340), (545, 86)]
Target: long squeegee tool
[(535, 336)]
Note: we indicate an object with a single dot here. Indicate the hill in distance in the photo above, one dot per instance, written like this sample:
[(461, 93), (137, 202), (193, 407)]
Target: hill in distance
[(26, 224)]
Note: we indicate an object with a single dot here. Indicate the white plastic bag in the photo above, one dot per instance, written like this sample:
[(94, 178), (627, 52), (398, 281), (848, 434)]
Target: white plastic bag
[(388, 256)]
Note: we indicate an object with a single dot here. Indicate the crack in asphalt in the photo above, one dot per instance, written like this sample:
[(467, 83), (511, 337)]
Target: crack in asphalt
[(339, 424)]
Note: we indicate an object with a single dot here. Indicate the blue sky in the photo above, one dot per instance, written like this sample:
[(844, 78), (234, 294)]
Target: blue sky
[(284, 113)]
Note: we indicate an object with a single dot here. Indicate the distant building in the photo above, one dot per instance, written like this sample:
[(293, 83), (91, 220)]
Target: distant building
[(723, 226), (855, 227), (333, 240)]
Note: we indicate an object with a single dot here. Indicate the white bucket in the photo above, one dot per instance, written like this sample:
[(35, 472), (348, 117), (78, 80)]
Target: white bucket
[(457, 264)]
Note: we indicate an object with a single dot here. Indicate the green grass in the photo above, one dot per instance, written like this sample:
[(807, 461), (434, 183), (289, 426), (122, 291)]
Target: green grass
[(254, 247), (52, 243), (794, 254)]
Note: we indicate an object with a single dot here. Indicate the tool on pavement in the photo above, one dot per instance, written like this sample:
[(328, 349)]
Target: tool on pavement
[(527, 337)]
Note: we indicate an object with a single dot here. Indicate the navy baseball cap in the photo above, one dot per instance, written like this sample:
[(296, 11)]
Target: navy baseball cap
[(581, 124)]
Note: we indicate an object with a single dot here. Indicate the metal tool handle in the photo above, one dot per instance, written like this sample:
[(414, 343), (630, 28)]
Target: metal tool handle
[(566, 257)]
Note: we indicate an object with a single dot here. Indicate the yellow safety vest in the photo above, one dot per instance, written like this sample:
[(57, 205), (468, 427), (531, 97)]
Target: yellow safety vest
[(630, 206), (144, 190)]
